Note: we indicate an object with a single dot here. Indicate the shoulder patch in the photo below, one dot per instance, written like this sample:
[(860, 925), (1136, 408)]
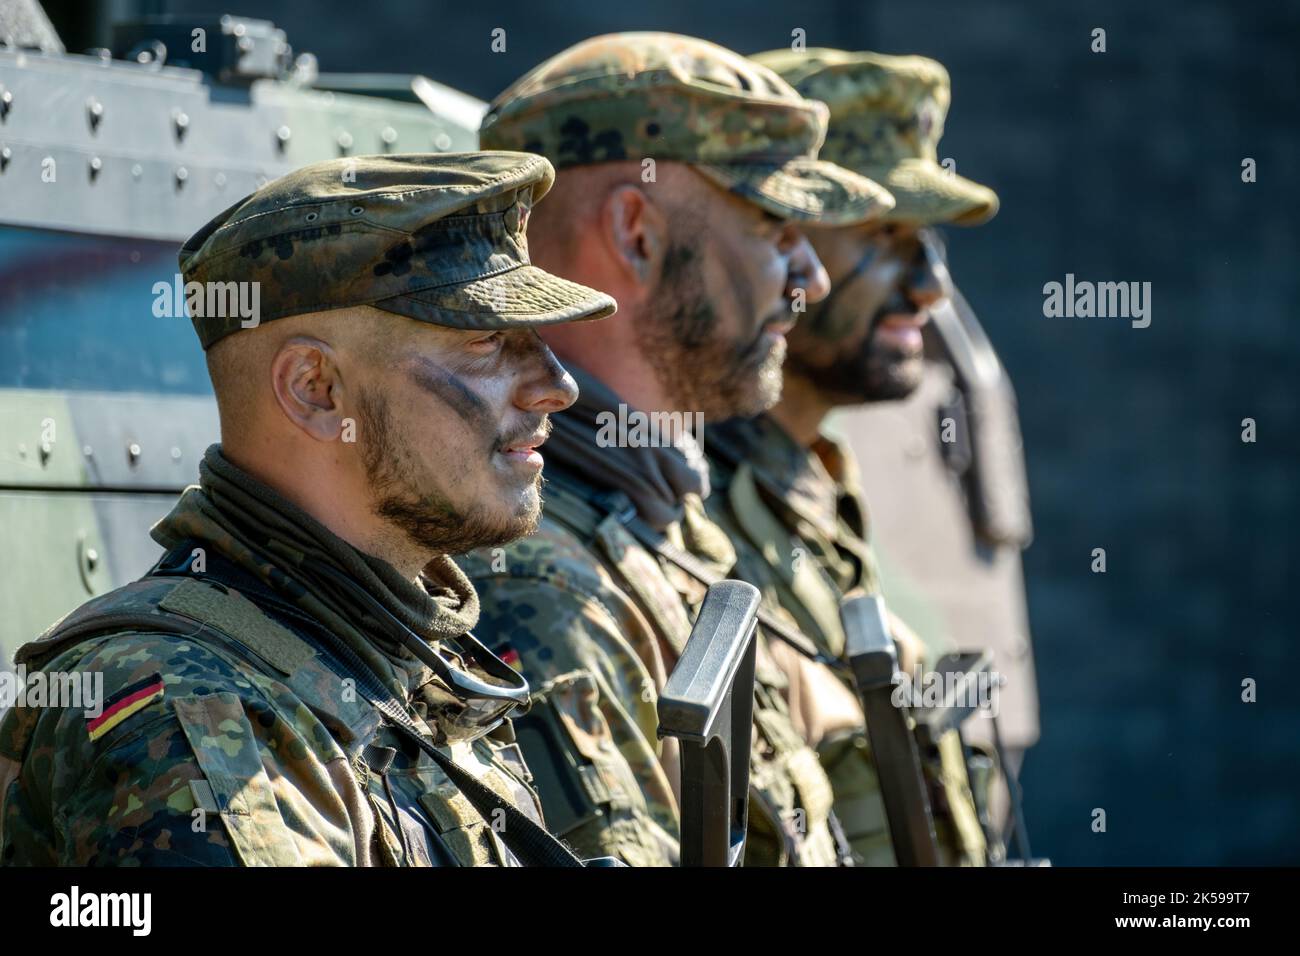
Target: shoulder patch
[(129, 700)]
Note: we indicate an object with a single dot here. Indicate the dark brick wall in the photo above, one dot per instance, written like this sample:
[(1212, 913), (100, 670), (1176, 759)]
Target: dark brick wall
[(1116, 166)]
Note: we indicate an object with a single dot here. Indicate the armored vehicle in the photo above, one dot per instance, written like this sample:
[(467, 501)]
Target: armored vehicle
[(109, 159)]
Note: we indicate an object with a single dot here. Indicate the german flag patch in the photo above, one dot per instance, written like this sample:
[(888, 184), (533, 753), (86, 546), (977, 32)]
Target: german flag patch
[(510, 656), (127, 701)]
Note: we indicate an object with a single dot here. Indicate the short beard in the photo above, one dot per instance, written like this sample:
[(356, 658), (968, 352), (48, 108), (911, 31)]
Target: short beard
[(874, 372), (701, 371), (425, 517)]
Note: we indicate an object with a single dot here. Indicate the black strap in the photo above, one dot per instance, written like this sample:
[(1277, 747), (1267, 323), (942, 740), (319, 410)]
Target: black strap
[(622, 510), (530, 843)]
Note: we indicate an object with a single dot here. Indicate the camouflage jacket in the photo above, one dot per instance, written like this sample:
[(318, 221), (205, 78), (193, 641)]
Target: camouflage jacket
[(599, 620), (798, 523), (224, 734)]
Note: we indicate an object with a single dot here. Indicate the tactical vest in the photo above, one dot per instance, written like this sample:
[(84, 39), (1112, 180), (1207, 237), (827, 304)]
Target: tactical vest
[(790, 817), (422, 804), (809, 589), (590, 795)]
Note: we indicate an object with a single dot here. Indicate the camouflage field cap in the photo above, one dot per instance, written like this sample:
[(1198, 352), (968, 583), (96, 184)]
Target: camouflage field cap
[(886, 118), (637, 96), (435, 237)]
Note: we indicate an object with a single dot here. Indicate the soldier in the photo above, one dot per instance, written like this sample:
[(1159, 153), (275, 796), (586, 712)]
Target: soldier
[(948, 484), (685, 173), (785, 489), (295, 682)]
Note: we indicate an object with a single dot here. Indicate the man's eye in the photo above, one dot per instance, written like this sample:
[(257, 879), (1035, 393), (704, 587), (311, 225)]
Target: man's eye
[(488, 342)]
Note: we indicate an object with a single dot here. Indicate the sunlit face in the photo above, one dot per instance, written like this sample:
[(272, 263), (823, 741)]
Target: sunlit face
[(449, 430), (863, 343), (717, 320)]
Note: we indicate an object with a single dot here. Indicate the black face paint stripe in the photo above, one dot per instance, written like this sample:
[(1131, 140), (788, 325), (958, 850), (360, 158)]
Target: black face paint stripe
[(437, 381)]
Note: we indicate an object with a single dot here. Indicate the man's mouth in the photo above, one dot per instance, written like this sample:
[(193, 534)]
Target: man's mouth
[(524, 450), (779, 327), (902, 330)]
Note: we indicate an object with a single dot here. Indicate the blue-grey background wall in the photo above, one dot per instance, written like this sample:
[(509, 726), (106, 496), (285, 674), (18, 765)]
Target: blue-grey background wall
[(1117, 166)]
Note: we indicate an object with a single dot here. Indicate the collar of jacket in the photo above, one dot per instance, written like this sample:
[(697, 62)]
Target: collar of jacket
[(795, 477), (281, 544), (595, 440)]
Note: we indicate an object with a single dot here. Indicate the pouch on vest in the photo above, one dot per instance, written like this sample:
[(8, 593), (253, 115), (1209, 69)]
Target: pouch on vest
[(235, 788), (583, 775), (846, 758)]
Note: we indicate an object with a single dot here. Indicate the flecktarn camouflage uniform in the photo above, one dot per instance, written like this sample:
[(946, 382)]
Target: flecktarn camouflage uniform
[(583, 603), (255, 711)]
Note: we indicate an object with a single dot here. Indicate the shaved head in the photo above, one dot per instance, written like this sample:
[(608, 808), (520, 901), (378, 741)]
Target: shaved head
[(240, 364)]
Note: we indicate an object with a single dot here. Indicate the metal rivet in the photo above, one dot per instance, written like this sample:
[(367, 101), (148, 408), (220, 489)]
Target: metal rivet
[(442, 141), (94, 113), (6, 102), (388, 135), (22, 450), (6, 154), (133, 452), (312, 216), (181, 123), (96, 164), (282, 137), (176, 453), (46, 451), (92, 559), (357, 210), (182, 174), (220, 180), (137, 171), (88, 451), (344, 139)]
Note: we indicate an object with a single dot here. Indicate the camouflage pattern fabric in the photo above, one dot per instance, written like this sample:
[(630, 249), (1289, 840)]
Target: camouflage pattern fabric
[(886, 120), (228, 737), (554, 610), (798, 523), (435, 237), (583, 593), (660, 96)]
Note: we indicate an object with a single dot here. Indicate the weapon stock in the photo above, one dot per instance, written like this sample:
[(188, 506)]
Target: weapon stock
[(874, 660), (708, 705)]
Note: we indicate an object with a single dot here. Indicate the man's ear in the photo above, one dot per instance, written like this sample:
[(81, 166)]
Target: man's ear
[(307, 384), (637, 229)]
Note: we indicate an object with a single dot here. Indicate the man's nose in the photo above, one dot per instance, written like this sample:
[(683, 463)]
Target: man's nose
[(547, 386), (805, 269), (925, 279)]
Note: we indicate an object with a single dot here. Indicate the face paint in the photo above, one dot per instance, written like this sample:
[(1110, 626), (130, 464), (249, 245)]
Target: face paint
[(683, 339), (438, 381), (437, 476), (842, 348)]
